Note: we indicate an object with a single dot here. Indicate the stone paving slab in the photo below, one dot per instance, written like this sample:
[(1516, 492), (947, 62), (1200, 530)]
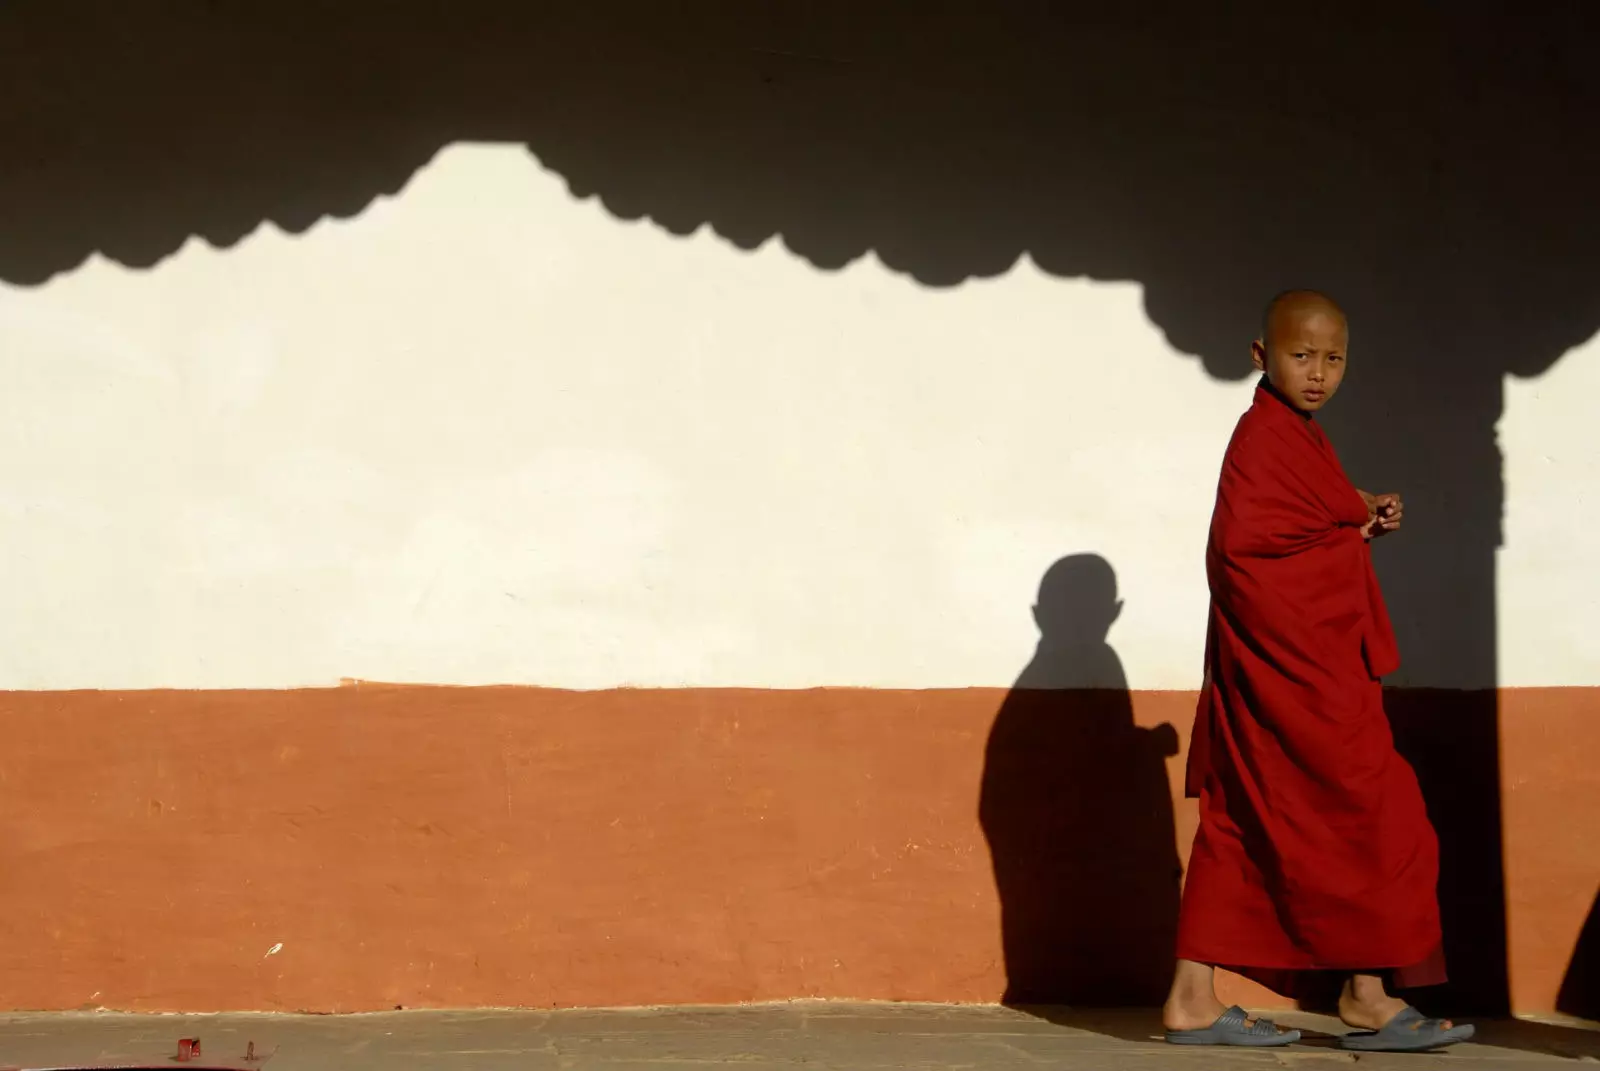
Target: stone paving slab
[(813, 1035)]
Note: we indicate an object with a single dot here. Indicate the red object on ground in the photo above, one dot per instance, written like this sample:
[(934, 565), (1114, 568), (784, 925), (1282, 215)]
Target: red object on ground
[(188, 1049), (1314, 851)]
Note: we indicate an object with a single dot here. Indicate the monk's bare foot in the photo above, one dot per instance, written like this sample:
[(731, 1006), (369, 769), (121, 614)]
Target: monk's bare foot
[(1365, 1005), (1195, 1013), (1371, 1014)]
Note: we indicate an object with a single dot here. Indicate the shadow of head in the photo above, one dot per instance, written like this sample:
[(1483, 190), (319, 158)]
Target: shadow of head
[(1076, 607), (1077, 602)]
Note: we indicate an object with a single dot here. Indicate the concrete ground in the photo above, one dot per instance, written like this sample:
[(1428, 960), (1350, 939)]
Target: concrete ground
[(810, 1034)]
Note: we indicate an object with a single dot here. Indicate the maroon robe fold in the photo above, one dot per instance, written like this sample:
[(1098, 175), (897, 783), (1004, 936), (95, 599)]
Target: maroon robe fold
[(1314, 851)]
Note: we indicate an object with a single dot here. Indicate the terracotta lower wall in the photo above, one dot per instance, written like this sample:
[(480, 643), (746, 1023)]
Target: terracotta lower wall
[(371, 846)]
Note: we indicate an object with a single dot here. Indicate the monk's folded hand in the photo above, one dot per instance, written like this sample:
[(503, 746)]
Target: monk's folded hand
[(1384, 513)]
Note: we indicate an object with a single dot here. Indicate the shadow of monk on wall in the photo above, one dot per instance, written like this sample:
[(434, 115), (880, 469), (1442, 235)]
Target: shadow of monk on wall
[(1077, 809)]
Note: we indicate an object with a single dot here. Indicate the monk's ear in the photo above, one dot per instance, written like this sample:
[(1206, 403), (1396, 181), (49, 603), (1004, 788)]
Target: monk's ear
[(1116, 612), (1258, 355)]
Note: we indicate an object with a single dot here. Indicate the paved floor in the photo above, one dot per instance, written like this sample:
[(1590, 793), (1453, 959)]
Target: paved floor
[(815, 1035)]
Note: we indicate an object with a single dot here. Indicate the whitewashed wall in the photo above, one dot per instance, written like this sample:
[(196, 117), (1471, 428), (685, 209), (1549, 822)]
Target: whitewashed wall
[(487, 433)]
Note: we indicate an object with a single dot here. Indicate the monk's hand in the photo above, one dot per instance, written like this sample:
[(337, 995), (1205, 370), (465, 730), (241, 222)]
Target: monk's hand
[(1372, 513), (1384, 513)]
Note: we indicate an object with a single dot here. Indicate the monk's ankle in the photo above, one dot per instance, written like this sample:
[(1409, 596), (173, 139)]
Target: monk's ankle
[(1192, 1003), (1191, 1012), (1367, 1006)]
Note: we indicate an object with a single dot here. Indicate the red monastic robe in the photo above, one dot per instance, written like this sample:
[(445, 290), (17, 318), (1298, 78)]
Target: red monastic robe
[(1314, 851)]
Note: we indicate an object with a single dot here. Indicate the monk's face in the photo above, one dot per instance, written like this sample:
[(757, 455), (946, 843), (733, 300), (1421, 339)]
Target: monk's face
[(1303, 354)]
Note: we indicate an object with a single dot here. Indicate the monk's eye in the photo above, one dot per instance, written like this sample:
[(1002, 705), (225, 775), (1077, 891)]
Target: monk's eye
[(1299, 356), (1336, 358)]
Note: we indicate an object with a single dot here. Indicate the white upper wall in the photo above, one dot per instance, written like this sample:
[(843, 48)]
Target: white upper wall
[(484, 433), (1549, 583)]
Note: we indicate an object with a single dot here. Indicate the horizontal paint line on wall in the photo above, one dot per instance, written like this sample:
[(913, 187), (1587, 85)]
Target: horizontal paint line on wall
[(349, 683)]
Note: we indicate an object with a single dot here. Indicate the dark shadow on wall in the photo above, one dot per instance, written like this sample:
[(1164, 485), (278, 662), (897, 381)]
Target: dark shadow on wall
[(1430, 164), (1077, 810), (1580, 989), (1452, 740)]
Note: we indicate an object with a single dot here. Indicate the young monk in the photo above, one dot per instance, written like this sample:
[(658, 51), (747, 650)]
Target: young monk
[(1314, 852)]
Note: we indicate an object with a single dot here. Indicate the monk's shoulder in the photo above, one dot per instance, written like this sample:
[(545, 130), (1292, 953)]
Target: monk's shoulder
[(1261, 447), (1252, 438)]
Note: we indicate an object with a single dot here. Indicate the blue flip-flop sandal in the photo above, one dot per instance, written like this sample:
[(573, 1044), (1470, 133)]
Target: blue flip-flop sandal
[(1409, 1031), (1233, 1027)]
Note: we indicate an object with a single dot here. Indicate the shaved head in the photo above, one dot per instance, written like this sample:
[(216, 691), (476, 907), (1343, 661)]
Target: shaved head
[(1302, 347), (1290, 305)]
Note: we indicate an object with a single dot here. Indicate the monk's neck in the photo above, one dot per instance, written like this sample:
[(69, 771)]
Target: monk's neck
[(1273, 393)]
